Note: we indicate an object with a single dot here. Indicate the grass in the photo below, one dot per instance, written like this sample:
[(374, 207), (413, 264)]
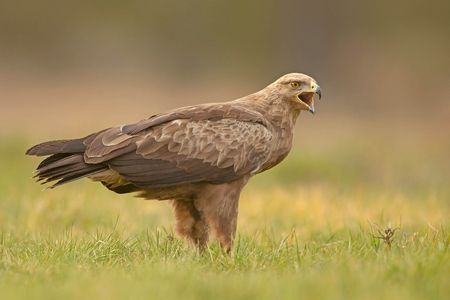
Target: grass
[(312, 228)]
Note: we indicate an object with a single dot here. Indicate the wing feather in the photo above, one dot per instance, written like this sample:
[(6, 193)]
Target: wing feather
[(178, 157), (215, 143)]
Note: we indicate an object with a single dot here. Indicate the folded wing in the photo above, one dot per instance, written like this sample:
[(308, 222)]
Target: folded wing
[(184, 151), (213, 143)]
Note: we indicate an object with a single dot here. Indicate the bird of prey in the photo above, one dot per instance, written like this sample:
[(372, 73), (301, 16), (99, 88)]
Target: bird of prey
[(198, 157)]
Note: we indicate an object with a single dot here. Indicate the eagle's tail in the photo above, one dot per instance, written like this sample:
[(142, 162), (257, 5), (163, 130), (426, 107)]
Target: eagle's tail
[(65, 163), (59, 146)]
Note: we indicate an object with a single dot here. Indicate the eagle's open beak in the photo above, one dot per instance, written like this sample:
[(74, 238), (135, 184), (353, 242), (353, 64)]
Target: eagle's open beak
[(308, 97)]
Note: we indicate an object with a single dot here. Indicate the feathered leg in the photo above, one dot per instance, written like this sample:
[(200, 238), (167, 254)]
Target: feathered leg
[(189, 223), (219, 206), (224, 222)]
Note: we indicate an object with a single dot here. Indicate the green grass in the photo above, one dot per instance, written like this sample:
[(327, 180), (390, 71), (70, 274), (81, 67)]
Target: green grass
[(307, 229)]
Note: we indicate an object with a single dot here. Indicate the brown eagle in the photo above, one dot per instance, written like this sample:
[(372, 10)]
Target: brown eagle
[(198, 157)]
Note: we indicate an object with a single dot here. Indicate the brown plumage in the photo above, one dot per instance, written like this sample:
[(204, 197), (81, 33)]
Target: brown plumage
[(199, 157)]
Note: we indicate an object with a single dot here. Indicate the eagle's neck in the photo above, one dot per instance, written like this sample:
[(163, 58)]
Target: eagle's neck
[(282, 116), (278, 111)]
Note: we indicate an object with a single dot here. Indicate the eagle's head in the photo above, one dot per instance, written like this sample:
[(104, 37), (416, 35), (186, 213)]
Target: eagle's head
[(299, 89)]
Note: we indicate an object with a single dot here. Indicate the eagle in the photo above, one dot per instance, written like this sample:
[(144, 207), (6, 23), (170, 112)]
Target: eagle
[(197, 157)]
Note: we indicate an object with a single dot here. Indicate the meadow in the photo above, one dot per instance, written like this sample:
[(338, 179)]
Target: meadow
[(345, 222)]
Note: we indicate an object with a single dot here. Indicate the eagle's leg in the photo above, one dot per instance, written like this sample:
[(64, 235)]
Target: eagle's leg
[(190, 223), (224, 226), (221, 216), (219, 206)]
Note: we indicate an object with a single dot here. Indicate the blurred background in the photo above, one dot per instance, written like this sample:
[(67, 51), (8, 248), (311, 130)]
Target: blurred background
[(71, 67)]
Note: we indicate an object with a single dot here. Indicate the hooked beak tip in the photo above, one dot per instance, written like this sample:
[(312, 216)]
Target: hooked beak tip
[(318, 92)]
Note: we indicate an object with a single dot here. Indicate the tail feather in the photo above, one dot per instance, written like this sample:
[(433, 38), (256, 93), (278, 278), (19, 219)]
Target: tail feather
[(65, 163), (78, 175), (66, 169), (60, 172), (52, 159), (59, 146)]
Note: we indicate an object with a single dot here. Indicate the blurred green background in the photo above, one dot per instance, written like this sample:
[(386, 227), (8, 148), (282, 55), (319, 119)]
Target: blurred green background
[(384, 64)]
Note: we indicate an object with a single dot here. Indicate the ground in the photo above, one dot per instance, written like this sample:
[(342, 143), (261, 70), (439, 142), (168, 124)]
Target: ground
[(312, 228)]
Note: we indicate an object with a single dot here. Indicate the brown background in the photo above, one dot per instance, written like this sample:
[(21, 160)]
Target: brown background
[(69, 67)]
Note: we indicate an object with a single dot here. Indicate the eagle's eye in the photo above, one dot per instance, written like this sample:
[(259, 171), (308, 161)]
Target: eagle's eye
[(295, 84)]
